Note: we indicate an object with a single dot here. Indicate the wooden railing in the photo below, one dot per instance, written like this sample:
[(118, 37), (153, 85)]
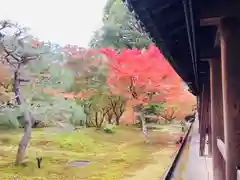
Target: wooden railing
[(170, 172), (222, 149), (238, 174)]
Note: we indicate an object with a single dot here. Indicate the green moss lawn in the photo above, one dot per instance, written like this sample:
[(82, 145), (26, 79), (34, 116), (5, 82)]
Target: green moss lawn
[(117, 156)]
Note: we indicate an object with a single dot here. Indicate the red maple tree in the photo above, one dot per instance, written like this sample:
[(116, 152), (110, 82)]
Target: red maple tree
[(141, 75)]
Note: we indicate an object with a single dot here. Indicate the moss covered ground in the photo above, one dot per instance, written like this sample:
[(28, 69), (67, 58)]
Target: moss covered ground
[(111, 156)]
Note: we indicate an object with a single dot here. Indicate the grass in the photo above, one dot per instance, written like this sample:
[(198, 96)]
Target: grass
[(112, 156)]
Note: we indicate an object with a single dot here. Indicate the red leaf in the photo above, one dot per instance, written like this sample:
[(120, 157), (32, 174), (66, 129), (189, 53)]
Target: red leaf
[(134, 72), (35, 44)]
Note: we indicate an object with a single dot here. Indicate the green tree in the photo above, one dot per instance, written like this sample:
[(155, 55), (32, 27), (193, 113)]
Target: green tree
[(120, 29), (89, 86), (117, 104), (32, 66)]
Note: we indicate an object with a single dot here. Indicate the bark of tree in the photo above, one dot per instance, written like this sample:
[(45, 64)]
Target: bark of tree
[(118, 120), (117, 109), (168, 115), (27, 119), (141, 118), (109, 118), (96, 120), (25, 139), (88, 122), (100, 117)]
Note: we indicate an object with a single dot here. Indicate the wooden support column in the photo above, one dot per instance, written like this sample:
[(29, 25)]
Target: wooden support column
[(200, 111), (210, 143), (204, 118), (217, 118), (201, 125), (230, 53)]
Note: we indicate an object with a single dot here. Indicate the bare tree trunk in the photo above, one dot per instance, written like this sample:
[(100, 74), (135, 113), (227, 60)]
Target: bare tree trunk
[(141, 118), (89, 122), (101, 123), (117, 120), (86, 123), (109, 118), (25, 139), (27, 119), (144, 127), (96, 120)]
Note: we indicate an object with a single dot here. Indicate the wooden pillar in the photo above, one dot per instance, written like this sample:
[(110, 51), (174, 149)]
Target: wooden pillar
[(200, 97), (201, 125), (204, 118), (200, 112), (217, 118), (210, 143), (230, 53)]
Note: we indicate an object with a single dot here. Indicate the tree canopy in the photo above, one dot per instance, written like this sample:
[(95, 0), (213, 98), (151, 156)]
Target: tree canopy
[(141, 76), (43, 84), (120, 30)]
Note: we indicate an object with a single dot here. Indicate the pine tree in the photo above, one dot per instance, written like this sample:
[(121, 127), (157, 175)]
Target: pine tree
[(34, 66)]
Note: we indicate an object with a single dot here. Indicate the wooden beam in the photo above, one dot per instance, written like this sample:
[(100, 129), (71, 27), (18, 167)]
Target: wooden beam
[(205, 59), (222, 149), (210, 53), (213, 21), (217, 39), (230, 48), (212, 15)]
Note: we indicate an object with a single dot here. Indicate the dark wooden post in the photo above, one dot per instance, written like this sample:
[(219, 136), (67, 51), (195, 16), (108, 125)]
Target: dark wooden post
[(201, 124), (197, 115), (204, 118), (200, 97), (230, 53), (200, 112), (209, 129), (217, 118)]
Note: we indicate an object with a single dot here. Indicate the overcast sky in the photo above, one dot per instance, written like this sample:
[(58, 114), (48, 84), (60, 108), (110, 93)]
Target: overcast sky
[(62, 21)]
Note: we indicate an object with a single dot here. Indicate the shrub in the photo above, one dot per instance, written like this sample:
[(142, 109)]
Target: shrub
[(110, 128)]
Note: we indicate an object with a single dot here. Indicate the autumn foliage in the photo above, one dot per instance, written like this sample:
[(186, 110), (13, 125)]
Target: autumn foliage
[(141, 75), (138, 75), (81, 60)]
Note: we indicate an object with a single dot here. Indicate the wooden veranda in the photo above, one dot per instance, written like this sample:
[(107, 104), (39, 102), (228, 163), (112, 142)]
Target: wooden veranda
[(201, 40)]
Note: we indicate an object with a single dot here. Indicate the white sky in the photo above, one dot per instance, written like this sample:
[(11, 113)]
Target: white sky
[(61, 21)]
